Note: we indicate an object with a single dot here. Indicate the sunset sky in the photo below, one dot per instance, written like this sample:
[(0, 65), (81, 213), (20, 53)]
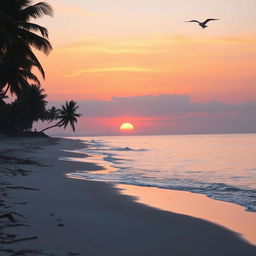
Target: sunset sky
[(138, 61)]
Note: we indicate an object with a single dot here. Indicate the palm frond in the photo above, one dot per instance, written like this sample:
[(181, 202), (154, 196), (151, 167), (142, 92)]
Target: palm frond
[(30, 76), (18, 85), (34, 27), (35, 11), (39, 42), (73, 126), (29, 58)]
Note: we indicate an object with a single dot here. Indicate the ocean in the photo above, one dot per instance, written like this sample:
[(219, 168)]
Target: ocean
[(222, 167)]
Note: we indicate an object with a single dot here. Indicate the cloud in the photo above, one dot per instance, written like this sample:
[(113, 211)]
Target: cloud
[(107, 70), (74, 10), (156, 43), (165, 114), (107, 66), (160, 106), (245, 39)]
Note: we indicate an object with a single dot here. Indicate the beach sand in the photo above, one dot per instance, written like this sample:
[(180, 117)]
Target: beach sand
[(64, 217)]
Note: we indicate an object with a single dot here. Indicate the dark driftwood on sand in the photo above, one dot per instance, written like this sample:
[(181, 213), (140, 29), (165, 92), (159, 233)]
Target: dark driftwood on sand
[(17, 225), (8, 216), (25, 252), (21, 187), (20, 240), (7, 250), (18, 171), (16, 160)]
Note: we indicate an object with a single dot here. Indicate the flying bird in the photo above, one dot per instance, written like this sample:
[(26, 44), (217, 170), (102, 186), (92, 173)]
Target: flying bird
[(202, 24)]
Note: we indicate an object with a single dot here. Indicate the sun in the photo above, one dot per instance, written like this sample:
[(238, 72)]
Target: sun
[(126, 127)]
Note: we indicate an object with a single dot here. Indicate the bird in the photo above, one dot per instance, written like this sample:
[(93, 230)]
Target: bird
[(202, 24)]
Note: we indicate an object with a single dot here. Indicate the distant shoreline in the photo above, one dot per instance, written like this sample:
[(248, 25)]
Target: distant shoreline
[(133, 134)]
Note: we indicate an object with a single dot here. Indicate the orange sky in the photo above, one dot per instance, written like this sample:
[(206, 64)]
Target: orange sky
[(219, 68), (129, 48), (104, 49)]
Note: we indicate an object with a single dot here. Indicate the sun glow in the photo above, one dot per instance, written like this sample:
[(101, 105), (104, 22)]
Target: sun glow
[(126, 127)]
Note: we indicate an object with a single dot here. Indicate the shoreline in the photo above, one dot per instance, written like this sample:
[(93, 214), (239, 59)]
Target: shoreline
[(225, 214), (74, 217), (220, 176)]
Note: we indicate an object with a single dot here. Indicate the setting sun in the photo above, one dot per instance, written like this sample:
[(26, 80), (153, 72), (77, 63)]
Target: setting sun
[(126, 127)]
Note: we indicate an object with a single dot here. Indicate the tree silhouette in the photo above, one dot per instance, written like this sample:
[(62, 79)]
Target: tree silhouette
[(67, 116), (16, 79), (51, 114), (33, 103), (20, 115), (19, 36)]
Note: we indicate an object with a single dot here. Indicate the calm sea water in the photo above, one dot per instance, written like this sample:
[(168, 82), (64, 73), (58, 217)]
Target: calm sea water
[(222, 167)]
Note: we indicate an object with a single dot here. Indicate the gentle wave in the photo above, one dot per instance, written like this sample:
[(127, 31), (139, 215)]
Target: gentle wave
[(211, 165), (100, 144), (111, 159), (219, 191), (127, 149)]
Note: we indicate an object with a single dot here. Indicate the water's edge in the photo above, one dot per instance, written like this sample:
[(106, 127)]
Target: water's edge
[(101, 156)]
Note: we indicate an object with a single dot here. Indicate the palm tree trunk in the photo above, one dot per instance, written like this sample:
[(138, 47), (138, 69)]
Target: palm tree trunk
[(3, 95), (56, 125)]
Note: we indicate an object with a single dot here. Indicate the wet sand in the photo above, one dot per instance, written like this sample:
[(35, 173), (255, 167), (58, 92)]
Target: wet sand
[(228, 215), (61, 216)]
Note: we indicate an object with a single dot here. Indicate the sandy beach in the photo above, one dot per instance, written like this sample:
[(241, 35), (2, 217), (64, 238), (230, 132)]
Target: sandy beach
[(59, 216)]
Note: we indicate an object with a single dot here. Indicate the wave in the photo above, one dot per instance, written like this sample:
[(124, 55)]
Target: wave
[(218, 191), (222, 187), (127, 149), (112, 159), (161, 167), (100, 145)]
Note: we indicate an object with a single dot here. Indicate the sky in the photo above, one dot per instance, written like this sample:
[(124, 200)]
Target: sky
[(138, 61)]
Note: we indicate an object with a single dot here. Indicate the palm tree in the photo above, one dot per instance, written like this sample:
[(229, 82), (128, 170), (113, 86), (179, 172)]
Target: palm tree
[(19, 34), (51, 114), (16, 25), (36, 98), (30, 107), (2, 102), (15, 79), (6, 36), (20, 115), (67, 116)]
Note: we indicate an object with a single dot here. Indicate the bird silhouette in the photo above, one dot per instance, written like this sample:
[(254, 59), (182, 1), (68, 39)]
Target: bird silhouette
[(202, 24)]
